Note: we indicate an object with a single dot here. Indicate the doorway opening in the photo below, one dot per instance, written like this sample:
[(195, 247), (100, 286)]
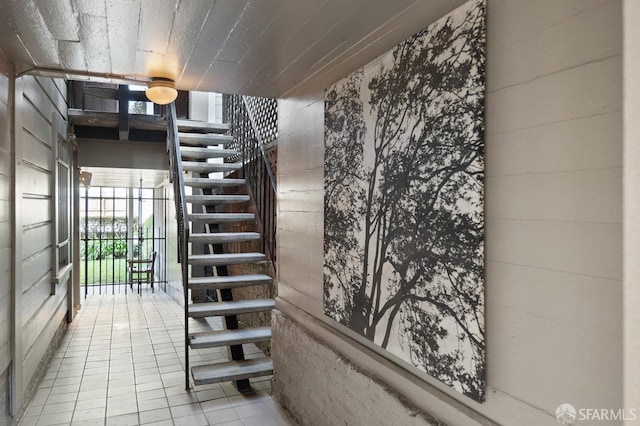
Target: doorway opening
[(118, 226)]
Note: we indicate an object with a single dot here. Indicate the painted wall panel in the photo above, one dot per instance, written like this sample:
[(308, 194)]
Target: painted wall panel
[(35, 238), (36, 155), (553, 213), (40, 120), (580, 144), (37, 117), (35, 268), (5, 219), (37, 210), (36, 181)]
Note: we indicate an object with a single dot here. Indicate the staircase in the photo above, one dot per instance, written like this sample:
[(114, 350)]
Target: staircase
[(196, 151)]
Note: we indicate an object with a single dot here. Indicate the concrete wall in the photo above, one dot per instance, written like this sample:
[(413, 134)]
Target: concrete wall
[(40, 125), (553, 222), (6, 175)]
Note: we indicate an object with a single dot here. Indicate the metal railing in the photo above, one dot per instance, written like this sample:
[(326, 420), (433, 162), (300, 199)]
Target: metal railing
[(254, 125), (176, 176)]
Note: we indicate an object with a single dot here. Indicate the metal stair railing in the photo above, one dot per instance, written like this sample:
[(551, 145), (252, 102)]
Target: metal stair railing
[(254, 124), (176, 176)]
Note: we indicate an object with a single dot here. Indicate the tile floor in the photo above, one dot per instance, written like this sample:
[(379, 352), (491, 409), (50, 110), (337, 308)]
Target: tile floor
[(121, 363)]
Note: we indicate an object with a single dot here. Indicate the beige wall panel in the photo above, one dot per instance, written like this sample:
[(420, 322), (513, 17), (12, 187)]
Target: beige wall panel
[(557, 97), (35, 180), (5, 217), (56, 91), (304, 273), (518, 333), (35, 94), (36, 210), (300, 181), (5, 186), (582, 248), (6, 159), (33, 300), (582, 196), (35, 268), (521, 52), (580, 144), (5, 314), (54, 312), (34, 122), (301, 201), (6, 208), (35, 239), (4, 113), (36, 154)]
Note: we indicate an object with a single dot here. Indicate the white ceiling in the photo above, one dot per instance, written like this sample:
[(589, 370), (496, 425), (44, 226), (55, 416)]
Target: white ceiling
[(254, 47), (126, 178)]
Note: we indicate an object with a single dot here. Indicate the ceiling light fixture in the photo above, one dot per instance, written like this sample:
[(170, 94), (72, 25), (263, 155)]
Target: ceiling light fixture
[(85, 179), (162, 90)]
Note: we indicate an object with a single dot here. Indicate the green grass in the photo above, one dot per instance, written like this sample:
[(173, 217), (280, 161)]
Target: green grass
[(105, 271)]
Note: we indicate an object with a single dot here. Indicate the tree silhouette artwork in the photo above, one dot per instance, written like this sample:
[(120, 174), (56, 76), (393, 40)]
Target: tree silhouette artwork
[(404, 200)]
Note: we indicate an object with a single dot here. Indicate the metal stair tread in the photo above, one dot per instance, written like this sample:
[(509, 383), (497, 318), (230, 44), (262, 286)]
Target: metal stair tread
[(203, 153), (231, 370), (212, 339), (204, 139), (225, 259), (223, 237), (214, 309), (212, 183), (220, 217), (217, 199), (204, 167), (201, 126), (232, 281)]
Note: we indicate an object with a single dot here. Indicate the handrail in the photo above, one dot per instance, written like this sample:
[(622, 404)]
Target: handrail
[(261, 143), (176, 176)]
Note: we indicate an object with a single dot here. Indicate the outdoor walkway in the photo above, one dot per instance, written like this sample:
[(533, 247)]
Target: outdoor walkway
[(120, 363)]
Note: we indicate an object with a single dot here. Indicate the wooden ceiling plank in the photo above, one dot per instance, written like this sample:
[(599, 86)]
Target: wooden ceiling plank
[(220, 22), (185, 32), (146, 62), (26, 21), (361, 45), (308, 33), (60, 19), (72, 55), (90, 7), (335, 40), (156, 18), (289, 19), (96, 46), (123, 23), (14, 50)]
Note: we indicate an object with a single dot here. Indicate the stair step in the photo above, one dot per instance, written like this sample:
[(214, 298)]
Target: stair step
[(223, 237), (206, 139), (220, 217), (218, 309), (213, 339), (231, 371), (216, 199), (205, 153), (212, 183), (202, 126), (225, 259), (202, 167), (235, 281)]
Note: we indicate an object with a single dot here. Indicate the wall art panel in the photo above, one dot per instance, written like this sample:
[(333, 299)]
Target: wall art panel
[(404, 196)]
